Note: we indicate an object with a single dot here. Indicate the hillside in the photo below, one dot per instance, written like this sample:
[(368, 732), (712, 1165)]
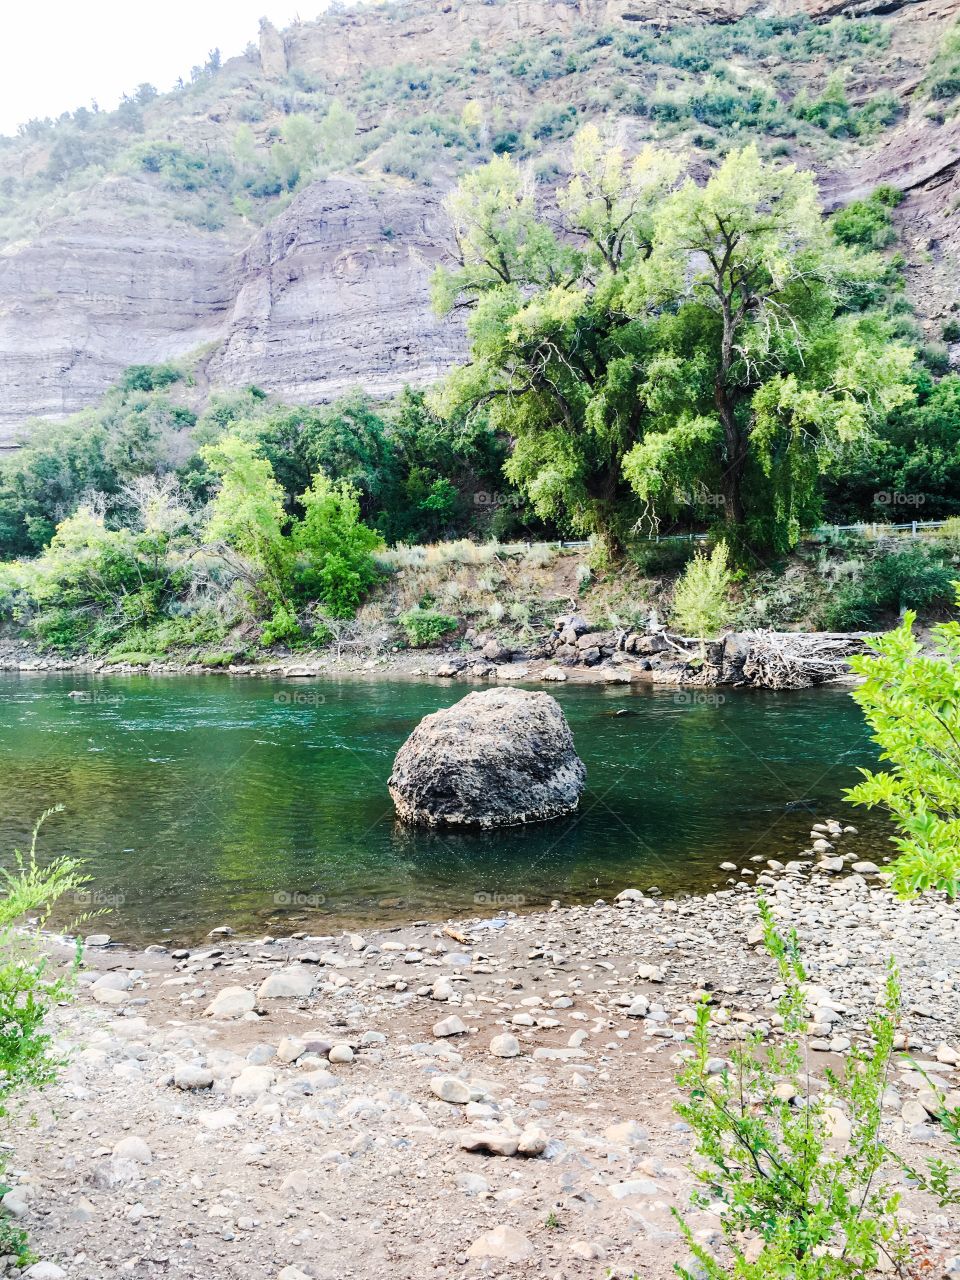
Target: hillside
[(279, 215)]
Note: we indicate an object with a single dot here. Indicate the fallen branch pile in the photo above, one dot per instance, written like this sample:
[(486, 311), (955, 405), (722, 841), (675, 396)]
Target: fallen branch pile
[(796, 660)]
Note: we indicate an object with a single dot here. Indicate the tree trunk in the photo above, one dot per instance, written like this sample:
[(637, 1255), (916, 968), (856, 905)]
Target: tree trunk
[(735, 444)]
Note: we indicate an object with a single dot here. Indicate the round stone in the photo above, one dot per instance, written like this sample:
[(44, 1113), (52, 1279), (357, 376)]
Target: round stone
[(505, 1046)]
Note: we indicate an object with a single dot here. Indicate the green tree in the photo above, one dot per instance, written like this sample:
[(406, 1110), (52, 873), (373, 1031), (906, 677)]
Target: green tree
[(555, 364), (245, 149), (334, 547), (247, 516), (777, 376), (700, 605), (337, 133), (301, 135), (911, 700)]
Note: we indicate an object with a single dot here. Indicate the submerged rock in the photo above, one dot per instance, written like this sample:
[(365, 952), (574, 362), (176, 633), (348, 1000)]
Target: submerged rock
[(502, 757)]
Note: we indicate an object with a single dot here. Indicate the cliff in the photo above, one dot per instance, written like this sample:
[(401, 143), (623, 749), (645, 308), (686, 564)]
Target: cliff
[(142, 235)]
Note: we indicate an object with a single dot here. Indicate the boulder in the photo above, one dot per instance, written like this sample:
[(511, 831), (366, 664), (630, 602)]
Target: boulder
[(597, 640), (569, 626), (495, 651), (502, 757), (644, 645)]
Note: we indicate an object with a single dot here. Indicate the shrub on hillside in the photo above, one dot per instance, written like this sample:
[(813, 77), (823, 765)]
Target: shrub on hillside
[(913, 577), (867, 222), (424, 627)]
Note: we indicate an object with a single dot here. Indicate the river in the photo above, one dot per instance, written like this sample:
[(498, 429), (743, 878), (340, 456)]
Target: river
[(262, 804)]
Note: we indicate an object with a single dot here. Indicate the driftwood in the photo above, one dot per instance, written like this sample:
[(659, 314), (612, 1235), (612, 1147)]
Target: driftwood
[(796, 660)]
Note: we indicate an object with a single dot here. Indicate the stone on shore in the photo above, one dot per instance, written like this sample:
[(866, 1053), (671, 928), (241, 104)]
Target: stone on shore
[(295, 982), (505, 1243), (450, 1089), (189, 1077), (505, 1046), (501, 757), (231, 1002)]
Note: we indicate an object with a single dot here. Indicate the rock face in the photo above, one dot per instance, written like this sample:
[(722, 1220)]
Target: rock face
[(498, 758), (273, 54), (334, 294), (111, 286)]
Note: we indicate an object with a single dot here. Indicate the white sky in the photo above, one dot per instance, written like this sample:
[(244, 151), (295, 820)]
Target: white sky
[(57, 55)]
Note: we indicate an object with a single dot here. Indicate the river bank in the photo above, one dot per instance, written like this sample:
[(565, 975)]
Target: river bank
[(573, 651), (486, 1097)]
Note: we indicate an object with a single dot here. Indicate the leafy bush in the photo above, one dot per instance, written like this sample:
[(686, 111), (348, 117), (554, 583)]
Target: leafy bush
[(796, 1173), (149, 377), (282, 627), (909, 578), (94, 585), (334, 547), (27, 992), (183, 170), (425, 627), (833, 113), (943, 82), (911, 701), (868, 222), (700, 604)]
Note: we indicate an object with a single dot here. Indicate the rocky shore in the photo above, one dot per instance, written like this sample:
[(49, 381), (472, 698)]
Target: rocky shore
[(486, 1097), (573, 651)]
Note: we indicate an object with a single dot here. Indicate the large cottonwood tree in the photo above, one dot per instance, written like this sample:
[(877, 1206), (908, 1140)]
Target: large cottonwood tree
[(648, 345)]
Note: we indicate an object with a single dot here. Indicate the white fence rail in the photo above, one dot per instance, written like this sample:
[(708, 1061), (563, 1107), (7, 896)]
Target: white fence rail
[(867, 529)]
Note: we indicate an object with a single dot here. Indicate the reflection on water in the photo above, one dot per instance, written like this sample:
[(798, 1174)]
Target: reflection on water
[(263, 804)]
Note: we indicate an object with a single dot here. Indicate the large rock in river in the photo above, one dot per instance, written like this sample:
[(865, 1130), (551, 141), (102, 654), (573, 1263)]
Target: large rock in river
[(494, 759)]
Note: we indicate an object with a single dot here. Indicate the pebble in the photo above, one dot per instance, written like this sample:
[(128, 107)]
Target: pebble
[(913, 1113), (133, 1148), (504, 1243), (492, 1142), (295, 982), (231, 1002), (340, 1053), (452, 1026), (252, 1082), (505, 1046), (586, 1250), (634, 1187), (290, 1049), (450, 1089), (189, 1077)]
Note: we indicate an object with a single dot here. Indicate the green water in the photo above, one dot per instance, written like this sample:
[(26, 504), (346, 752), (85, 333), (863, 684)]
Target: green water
[(263, 804)]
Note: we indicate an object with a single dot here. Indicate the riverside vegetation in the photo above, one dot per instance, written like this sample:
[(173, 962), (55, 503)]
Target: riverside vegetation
[(608, 393), (28, 991)]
